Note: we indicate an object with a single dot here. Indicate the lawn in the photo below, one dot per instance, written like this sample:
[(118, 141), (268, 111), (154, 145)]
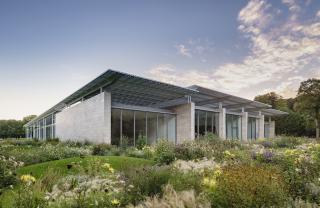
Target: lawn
[(117, 162)]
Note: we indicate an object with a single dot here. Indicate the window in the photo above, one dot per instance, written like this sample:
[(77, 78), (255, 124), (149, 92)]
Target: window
[(131, 125), (128, 127), (252, 128), (140, 125), (202, 123), (206, 122), (115, 126), (152, 128), (233, 125)]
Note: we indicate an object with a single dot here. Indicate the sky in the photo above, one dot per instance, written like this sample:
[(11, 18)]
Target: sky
[(50, 48)]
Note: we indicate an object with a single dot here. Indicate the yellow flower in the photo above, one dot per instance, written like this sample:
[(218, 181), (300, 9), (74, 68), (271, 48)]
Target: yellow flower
[(27, 179), (111, 170), (115, 202), (217, 172), (228, 154), (106, 165), (209, 182)]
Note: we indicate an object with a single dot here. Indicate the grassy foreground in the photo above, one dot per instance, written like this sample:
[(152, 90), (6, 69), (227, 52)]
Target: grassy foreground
[(61, 166)]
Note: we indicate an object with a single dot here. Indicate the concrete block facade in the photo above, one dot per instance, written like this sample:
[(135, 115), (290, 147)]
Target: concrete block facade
[(185, 122), (244, 126), (89, 120)]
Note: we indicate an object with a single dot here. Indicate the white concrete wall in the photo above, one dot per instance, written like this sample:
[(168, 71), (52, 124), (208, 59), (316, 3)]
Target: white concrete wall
[(270, 128), (185, 122), (89, 120)]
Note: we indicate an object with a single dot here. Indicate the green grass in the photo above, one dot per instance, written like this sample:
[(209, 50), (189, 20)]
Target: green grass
[(120, 163), (117, 162)]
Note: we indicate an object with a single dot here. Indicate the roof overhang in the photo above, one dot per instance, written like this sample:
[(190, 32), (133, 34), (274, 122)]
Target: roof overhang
[(126, 89), (213, 98)]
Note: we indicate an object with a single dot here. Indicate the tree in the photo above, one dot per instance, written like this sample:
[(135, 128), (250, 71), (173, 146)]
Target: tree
[(28, 118), (308, 101), (14, 128), (273, 99)]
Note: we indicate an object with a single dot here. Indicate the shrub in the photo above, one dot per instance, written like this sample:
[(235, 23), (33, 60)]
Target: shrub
[(147, 181), (124, 142), (287, 142), (164, 152), (141, 141), (134, 152), (301, 170), (189, 151), (101, 149), (248, 186), (7, 175), (186, 181)]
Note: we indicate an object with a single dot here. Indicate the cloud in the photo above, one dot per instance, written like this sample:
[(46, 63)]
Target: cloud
[(182, 50), (280, 55), (197, 48)]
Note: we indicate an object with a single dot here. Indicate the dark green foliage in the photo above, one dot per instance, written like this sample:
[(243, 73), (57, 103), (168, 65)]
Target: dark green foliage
[(13, 128), (287, 142), (294, 124), (7, 174), (308, 101)]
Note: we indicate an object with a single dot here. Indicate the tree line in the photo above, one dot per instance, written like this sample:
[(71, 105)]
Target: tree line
[(304, 110), (14, 128)]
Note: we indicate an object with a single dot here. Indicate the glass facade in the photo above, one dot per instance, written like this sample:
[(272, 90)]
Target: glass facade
[(43, 128), (252, 128), (233, 126), (206, 122), (131, 125)]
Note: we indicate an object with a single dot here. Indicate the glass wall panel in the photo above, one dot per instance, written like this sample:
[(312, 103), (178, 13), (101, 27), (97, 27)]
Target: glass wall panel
[(41, 129), (216, 124), (162, 126), (127, 126), (252, 128), (152, 128), (202, 123), (171, 122), (48, 132), (233, 126), (115, 126), (206, 122), (210, 122), (140, 125), (196, 126), (132, 124), (49, 120)]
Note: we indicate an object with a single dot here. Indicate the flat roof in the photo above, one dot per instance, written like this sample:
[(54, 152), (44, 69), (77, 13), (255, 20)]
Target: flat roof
[(133, 90), (212, 98), (125, 88)]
